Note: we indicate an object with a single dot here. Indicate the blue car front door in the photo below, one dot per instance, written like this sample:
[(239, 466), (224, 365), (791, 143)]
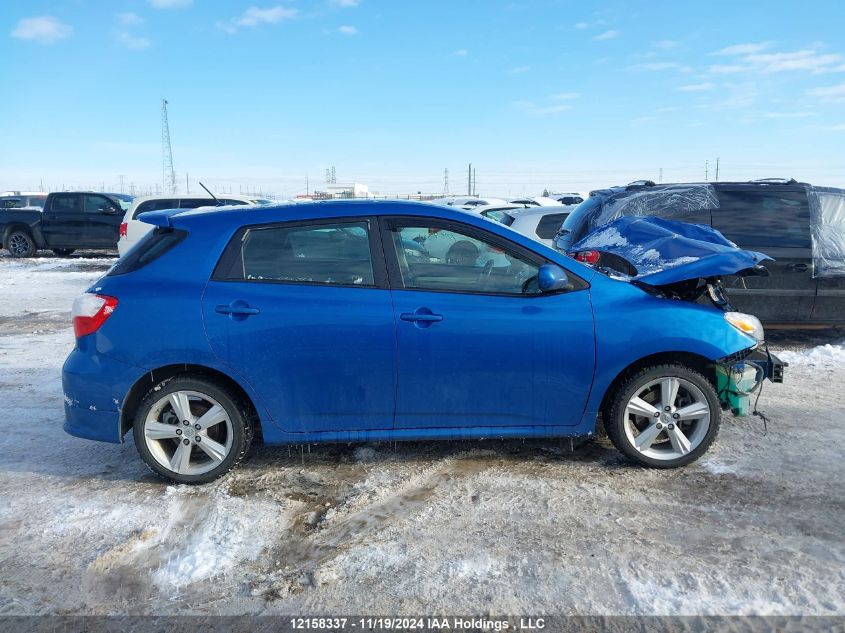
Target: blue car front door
[(301, 311), (478, 344)]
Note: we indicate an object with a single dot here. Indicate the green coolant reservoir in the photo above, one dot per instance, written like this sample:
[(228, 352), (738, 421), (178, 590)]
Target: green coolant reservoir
[(736, 383)]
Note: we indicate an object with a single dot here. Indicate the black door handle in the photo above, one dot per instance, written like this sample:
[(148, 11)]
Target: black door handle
[(797, 268)]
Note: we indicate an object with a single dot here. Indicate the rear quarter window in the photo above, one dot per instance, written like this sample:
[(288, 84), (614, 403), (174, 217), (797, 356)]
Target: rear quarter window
[(152, 246), (549, 225), (764, 216)]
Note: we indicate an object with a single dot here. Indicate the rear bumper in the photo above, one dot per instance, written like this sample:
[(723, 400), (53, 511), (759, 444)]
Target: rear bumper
[(94, 389)]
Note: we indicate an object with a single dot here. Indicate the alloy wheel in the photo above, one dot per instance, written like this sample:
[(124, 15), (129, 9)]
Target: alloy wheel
[(188, 432), (667, 418), (18, 244)]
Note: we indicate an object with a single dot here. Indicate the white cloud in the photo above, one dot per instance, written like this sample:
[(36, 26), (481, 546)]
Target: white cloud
[(607, 35), (803, 114), (461, 52), (697, 87), (517, 70), (837, 128), (131, 41), (666, 44), (170, 4), (346, 3), (130, 19), (255, 16), (830, 94), (553, 105), (658, 66), (581, 25), (743, 49), (44, 29), (749, 58), (347, 29)]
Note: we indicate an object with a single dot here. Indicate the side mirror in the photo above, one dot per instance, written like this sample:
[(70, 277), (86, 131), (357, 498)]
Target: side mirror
[(551, 278)]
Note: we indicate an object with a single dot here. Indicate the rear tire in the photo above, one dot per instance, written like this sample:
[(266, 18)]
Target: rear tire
[(661, 434), (192, 430), (20, 244), (63, 252)]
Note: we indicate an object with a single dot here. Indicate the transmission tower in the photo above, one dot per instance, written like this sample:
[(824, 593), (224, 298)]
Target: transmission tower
[(334, 176), (446, 182), (168, 175)]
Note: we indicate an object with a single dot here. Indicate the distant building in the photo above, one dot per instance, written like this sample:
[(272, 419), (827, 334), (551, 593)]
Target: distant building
[(355, 190)]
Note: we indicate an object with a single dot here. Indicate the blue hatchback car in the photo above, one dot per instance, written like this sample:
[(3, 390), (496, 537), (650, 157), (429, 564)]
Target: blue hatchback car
[(374, 320)]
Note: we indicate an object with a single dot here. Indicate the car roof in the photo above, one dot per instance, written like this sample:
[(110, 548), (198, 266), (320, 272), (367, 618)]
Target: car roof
[(187, 196)]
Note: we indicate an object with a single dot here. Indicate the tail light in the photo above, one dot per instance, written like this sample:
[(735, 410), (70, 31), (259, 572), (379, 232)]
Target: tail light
[(90, 311), (587, 257), (123, 229)]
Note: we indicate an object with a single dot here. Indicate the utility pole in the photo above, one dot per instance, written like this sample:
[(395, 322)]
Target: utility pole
[(334, 176), (168, 175), (474, 182), (469, 180), (660, 175), (187, 183), (706, 170), (121, 177), (446, 182), (307, 186), (717, 169)]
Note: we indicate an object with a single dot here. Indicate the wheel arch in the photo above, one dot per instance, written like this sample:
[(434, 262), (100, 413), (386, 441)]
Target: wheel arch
[(18, 226), (157, 376), (699, 363)]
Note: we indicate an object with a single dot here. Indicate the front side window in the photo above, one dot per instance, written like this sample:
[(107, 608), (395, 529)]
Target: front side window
[(449, 260), (97, 204), (337, 254)]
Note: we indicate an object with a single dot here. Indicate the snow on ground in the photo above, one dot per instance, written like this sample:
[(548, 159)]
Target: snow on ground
[(494, 527)]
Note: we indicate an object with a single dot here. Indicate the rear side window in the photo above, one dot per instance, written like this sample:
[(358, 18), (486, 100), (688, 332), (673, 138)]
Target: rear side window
[(571, 200), (152, 246), (549, 225), (11, 203), (321, 253), (67, 204), (155, 205), (763, 216)]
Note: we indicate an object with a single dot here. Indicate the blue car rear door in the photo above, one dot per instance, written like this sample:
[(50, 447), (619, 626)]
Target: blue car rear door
[(478, 344), (301, 310)]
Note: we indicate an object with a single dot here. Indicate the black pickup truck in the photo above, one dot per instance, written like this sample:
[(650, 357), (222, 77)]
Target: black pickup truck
[(68, 221)]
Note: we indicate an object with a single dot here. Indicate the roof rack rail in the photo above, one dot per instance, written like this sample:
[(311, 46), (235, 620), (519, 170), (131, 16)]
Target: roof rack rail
[(776, 181), (640, 183)]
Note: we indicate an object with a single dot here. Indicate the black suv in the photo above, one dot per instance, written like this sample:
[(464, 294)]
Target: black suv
[(800, 226)]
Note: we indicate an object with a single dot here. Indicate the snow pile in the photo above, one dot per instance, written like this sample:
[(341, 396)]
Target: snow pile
[(603, 238), (208, 536), (823, 355)]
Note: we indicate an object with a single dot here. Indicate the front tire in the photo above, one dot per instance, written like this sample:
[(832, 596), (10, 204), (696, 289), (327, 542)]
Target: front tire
[(20, 244), (664, 416), (191, 430)]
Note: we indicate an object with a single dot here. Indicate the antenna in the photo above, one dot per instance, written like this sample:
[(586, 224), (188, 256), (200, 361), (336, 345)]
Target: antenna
[(219, 204), (168, 176)]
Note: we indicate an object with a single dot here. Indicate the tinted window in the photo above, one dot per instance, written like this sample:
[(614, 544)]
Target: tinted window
[(193, 203), (11, 203), (152, 246), (155, 205), (571, 200), (441, 259), (236, 202), (499, 216), (320, 253), (763, 216), (98, 204), (37, 201), (549, 225), (70, 203)]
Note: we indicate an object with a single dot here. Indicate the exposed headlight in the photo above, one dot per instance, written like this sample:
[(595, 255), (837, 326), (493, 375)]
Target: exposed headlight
[(747, 324)]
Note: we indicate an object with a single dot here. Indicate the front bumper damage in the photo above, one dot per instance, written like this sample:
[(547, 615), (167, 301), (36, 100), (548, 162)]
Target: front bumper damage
[(739, 376)]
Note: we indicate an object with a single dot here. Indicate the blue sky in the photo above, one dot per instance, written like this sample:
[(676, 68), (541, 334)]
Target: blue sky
[(558, 94)]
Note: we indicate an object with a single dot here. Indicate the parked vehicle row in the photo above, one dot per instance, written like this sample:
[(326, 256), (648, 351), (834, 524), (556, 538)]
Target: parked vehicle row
[(772, 216), (332, 321)]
